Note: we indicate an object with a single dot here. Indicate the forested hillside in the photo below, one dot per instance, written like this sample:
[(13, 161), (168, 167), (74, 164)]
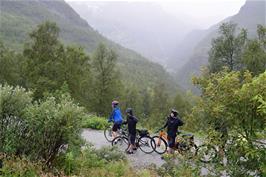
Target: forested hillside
[(131, 78), (18, 18), (249, 16), (59, 79)]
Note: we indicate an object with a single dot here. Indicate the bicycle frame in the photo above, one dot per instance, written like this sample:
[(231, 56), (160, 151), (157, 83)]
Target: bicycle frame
[(163, 135)]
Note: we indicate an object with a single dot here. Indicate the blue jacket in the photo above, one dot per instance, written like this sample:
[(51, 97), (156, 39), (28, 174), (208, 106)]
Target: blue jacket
[(116, 116)]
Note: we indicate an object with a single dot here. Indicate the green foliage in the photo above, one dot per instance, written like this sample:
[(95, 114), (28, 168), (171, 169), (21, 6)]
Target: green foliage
[(11, 71), (182, 104), (49, 64), (155, 105), (43, 57), (110, 154), (254, 55), (227, 48), (86, 162), (18, 18), (15, 167), (49, 123), (106, 81), (91, 162), (160, 107), (233, 104), (13, 102), (183, 168), (237, 52), (94, 122)]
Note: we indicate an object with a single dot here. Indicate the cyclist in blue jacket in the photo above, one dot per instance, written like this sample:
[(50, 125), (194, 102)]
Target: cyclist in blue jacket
[(115, 117)]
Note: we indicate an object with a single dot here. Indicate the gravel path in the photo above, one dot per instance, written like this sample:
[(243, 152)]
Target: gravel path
[(138, 160)]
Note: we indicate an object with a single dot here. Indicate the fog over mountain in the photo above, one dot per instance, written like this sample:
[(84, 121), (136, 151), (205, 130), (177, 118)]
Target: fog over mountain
[(142, 26), (170, 38), (155, 29), (19, 17), (198, 43)]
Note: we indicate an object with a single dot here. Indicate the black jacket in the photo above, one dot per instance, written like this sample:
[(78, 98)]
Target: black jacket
[(172, 125), (131, 122)]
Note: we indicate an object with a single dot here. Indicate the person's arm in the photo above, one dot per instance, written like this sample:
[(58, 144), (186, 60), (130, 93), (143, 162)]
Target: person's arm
[(111, 117), (125, 122), (180, 122), (165, 125)]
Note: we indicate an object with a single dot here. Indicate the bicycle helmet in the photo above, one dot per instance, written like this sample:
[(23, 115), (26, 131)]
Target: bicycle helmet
[(175, 112), (129, 111), (115, 103)]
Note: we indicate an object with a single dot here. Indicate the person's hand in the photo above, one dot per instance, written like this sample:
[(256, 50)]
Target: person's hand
[(157, 131)]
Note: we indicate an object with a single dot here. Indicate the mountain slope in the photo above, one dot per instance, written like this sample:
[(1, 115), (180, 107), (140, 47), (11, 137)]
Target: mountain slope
[(185, 49), (18, 18), (250, 15), (142, 26)]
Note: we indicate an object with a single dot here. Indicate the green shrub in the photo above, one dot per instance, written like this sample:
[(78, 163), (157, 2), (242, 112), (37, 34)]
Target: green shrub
[(37, 129), (110, 154), (92, 162), (14, 166), (94, 122), (184, 168), (13, 102)]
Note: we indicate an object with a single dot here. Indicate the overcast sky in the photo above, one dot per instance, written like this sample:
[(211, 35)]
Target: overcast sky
[(201, 13)]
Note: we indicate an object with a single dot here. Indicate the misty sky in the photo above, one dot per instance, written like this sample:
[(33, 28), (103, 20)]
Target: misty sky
[(200, 13)]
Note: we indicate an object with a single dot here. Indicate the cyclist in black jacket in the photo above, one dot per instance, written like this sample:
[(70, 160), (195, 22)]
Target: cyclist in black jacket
[(131, 122), (172, 124)]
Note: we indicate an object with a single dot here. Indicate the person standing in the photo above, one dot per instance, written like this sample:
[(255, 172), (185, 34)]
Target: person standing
[(172, 124), (131, 122), (115, 117)]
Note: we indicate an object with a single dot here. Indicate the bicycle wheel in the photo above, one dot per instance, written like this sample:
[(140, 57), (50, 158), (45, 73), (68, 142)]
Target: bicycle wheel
[(206, 153), (160, 145), (108, 134), (146, 144), (121, 142)]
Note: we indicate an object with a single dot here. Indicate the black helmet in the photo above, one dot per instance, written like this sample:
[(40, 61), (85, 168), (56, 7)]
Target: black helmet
[(129, 111), (175, 112)]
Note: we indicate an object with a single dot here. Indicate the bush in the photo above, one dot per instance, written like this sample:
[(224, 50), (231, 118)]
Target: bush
[(94, 122), (13, 102), (14, 166), (37, 129), (183, 168), (110, 154), (92, 162)]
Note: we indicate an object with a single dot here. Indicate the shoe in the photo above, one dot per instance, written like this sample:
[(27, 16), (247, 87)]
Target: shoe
[(129, 152), (134, 149)]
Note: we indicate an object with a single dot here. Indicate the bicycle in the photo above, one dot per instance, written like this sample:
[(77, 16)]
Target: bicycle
[(143, 141), (184, 143), (108, 132)]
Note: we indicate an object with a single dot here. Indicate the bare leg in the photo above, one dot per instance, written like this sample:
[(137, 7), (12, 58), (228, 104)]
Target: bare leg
[(114, 134), (170, 151), (130, 149)]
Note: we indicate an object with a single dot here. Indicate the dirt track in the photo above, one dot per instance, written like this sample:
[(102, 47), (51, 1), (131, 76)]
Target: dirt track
[(138, 160)]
